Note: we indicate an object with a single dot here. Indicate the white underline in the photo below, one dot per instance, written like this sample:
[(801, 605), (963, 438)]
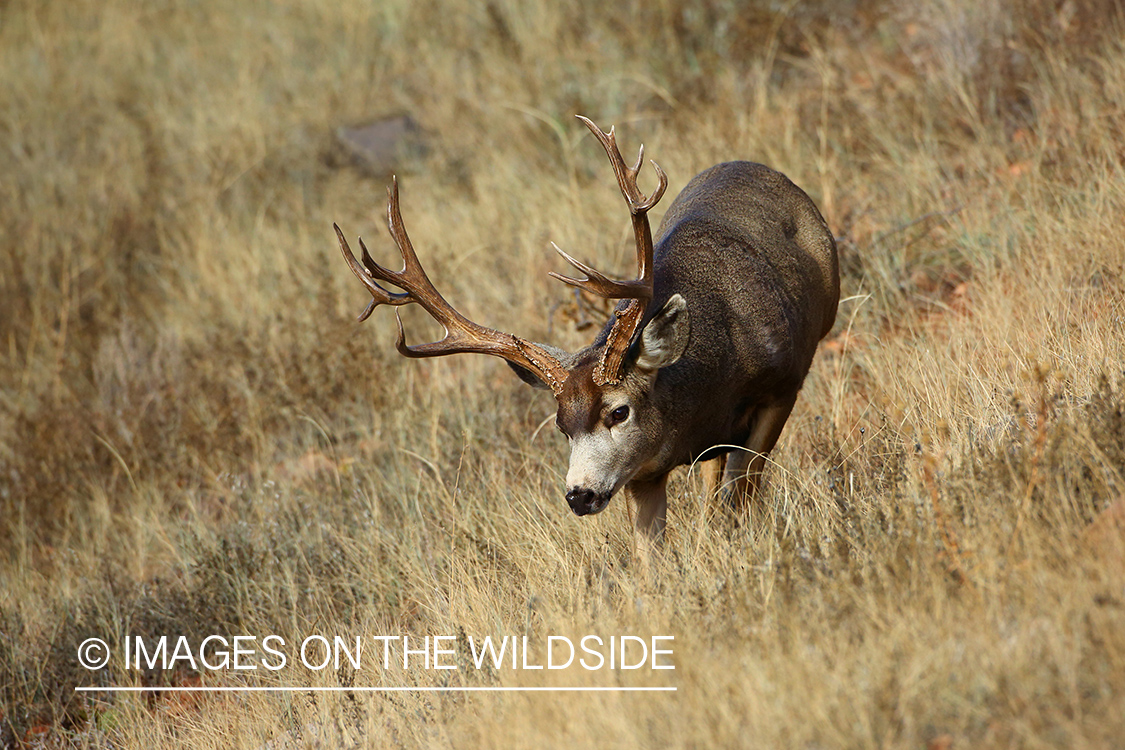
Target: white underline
[(369, 689)]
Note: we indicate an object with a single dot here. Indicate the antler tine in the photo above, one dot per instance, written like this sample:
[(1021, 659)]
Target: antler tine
[(461, 334), (379, 295), (597, 283), (411, 265), (627, 175)]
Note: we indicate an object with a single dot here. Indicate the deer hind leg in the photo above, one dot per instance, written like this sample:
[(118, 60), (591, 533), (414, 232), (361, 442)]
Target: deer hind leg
[(712, 473), (742, 476), (648, 504)]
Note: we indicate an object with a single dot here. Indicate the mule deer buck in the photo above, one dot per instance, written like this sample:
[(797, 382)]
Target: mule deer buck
[(707, 349)]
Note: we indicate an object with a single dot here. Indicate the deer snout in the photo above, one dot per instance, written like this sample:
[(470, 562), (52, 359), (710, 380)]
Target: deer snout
[(585, 502)]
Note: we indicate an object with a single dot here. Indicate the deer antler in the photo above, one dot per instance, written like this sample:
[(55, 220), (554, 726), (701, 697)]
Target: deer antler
[(461, 334), (638, 291)]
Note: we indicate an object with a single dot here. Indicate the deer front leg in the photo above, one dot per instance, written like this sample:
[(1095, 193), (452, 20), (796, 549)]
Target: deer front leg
[(648, 503)]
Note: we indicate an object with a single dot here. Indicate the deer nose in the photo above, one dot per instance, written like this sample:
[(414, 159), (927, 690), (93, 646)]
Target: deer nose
[(584, 501)]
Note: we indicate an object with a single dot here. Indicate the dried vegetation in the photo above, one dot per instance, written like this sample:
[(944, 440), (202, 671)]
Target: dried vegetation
[(196, 438)]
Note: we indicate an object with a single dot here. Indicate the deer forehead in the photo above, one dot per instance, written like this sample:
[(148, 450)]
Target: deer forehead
[(582, 403)]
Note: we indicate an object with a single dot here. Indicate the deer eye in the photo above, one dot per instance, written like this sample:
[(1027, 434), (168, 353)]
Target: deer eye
[(618, 415)]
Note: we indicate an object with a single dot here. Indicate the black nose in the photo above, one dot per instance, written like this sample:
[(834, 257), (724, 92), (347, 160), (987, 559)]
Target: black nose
[(582, 501)]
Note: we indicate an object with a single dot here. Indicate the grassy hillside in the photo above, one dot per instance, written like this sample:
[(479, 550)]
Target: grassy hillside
[(196, 437)]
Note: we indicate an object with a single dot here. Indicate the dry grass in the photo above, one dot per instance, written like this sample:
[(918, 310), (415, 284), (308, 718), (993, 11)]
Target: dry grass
[(195, 437)]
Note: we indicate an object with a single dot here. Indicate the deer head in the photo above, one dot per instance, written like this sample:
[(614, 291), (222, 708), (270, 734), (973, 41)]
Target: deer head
[(607, 406)]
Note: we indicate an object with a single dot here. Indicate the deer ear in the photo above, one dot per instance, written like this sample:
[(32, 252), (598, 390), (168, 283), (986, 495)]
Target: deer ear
[(528, 376), (565, 358), (665, 338)]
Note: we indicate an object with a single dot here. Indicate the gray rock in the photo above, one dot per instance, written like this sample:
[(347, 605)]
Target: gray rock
[(384, 146)]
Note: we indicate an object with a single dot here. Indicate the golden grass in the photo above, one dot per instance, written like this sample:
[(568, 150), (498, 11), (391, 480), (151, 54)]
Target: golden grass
[(195, 437)]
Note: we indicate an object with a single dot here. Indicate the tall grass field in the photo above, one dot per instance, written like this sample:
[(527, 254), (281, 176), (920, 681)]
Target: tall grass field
[(198, 439)]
